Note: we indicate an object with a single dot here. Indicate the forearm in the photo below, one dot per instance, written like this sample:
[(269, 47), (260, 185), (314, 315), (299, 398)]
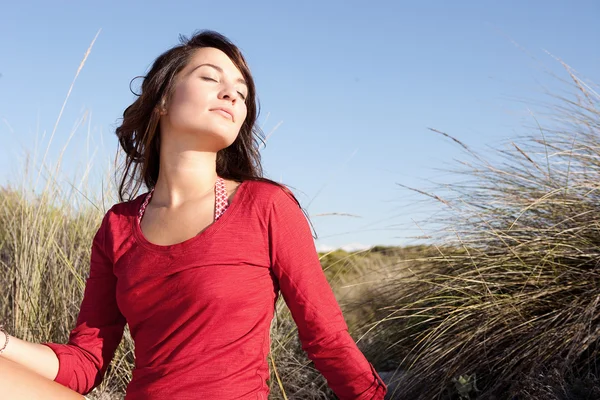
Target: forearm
[(36, 357)]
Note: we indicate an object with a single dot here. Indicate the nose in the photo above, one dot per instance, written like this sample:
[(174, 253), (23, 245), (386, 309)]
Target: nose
[(229, 93)]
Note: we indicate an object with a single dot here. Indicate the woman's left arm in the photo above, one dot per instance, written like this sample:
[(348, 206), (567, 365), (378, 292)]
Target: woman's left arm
[(322, 329)]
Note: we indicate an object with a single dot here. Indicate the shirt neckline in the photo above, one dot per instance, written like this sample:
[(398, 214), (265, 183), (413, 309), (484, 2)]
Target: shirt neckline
[(210, 230)]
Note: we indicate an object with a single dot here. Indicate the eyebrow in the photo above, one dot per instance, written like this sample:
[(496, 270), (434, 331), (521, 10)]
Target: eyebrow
[(240, 80)]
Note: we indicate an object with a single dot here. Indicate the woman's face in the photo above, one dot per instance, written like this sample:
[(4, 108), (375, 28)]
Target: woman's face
[(208, 102)]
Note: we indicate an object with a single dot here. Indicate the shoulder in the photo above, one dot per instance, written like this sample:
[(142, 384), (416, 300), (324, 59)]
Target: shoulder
[(127, 208), (121, 213), (116, 225), (280, 211), (270, 194)]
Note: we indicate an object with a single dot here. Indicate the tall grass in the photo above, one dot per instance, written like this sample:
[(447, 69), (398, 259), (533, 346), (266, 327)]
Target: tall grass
[(509, 308)]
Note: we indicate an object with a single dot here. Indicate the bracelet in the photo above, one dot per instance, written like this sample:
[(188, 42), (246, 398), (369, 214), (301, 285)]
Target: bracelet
[(7, 337)]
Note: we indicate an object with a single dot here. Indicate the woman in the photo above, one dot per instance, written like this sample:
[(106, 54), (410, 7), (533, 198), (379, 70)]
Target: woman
[(195, 265)]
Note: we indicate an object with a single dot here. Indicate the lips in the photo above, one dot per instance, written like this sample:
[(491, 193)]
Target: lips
[(226, 113)]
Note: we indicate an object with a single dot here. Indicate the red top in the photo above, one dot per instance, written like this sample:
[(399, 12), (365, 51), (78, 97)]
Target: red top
[(200, 311)]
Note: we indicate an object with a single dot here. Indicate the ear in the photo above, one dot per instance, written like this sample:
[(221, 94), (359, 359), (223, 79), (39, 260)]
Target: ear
[(162, 107)]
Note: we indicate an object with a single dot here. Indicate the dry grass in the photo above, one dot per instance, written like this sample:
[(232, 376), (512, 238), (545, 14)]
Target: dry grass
[(509, 307)]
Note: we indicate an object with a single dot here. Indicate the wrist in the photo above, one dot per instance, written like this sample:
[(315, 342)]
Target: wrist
[(4, 337)]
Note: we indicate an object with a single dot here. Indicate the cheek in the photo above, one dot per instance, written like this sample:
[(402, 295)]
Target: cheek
[(187, 97)]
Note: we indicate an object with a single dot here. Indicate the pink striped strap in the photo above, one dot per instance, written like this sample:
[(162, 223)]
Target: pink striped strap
[(221, 201)]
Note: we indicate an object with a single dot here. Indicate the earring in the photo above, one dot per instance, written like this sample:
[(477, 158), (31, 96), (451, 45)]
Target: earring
[(162, 110)]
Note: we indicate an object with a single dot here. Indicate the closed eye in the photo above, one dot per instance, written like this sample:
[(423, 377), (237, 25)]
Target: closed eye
[(208, 78)]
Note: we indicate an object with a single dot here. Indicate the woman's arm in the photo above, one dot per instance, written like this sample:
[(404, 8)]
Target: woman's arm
[(321, 326), (100, 324), (20, 383), (81, 363), (35, 357)]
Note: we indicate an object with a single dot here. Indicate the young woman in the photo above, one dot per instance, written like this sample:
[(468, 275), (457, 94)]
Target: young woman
[(196, 264)]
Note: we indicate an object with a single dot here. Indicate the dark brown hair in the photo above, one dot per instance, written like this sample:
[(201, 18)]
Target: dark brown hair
[(139, 132)]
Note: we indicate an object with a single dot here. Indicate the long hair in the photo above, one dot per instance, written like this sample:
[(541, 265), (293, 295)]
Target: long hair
[(139, 132)]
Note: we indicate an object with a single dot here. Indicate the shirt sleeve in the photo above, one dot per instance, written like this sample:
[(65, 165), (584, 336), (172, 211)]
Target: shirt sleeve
[(99, 327), (322, 329)]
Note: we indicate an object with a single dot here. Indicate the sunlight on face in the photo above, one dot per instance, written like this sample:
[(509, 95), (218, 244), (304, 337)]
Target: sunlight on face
[(208, 103)]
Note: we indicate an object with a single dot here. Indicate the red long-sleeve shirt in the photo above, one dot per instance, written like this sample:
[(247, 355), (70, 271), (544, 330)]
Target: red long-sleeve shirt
[(200, 311)]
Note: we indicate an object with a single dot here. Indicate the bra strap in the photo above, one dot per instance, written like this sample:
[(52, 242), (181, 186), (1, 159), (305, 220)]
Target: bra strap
[(221, 201)]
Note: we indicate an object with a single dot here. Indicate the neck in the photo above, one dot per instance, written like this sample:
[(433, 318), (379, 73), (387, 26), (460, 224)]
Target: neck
[(184, 176)]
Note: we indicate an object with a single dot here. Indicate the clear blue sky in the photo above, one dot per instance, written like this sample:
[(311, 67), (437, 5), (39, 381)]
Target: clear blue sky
[(355, 84)]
